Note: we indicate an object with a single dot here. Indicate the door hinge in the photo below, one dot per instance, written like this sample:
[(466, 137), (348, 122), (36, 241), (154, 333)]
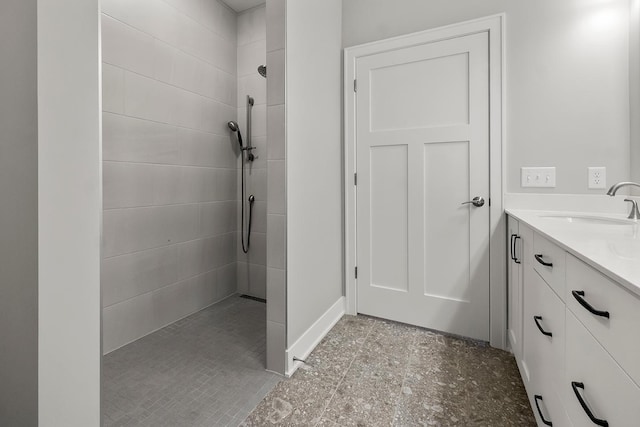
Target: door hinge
[(355, 179), (355, 85), (356, 272)]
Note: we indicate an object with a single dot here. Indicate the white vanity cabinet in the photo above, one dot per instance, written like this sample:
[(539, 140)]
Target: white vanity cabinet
[(543, 349), (516, 272), (575, 333)]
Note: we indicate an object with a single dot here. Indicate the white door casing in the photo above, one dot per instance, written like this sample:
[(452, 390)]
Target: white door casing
[(422, 150), (411, 192)]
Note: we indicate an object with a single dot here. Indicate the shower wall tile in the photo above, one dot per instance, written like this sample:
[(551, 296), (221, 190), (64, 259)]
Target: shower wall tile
[(276, 243), (276, 295), (257, 184), (215, 16), (249, 55), (251, 47), (170, 167), (257, 252), (276, 131), (276, 187), (129, 320), (276, 80), (127, 185), (252, 25), (163, 60), (217, 218), (259, 122), (203, 255), (260, 160), (198, 148), (259, 223), (276, 12), (127, 47), (128, 139), (137, 229), (112, 89), (276, 345), (127, 276), (156, 18), (251, 279), (253, 84), (226, 281)]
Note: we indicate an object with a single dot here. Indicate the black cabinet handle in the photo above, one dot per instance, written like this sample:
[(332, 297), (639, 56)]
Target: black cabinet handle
[(515, 256), (536, 398), (543, 262), (576, 385), (537, 320), (513, 237), (578, 295)]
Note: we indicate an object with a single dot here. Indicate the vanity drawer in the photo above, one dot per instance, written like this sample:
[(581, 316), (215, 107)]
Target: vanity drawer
[(547, 407), (549, 261), (593, 376), (544, 332), (600, 296)]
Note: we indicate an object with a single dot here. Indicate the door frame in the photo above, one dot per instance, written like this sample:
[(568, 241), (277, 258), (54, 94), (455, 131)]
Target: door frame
[(494, 26)]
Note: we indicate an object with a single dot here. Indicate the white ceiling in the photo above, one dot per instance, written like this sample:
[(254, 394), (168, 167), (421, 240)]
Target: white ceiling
[(241, 5)]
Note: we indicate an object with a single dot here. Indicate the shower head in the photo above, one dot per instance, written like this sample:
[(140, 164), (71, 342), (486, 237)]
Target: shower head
[(262, 70), (235, 128)]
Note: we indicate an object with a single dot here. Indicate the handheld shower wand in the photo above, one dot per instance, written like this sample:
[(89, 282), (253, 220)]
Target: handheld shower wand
[(235, 128)]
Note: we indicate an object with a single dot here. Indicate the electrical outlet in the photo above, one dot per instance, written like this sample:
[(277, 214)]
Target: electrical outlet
[(538, 177), (597, 177)]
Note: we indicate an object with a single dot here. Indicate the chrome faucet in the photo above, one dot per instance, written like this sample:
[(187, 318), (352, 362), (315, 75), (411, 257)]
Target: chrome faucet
[(635, 213), (615, 187)]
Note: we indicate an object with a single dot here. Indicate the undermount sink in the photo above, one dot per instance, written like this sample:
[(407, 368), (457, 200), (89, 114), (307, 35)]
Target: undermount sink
[(587, 219)]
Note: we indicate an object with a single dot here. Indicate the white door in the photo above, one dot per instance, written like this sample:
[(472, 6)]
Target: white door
[(422, 141)]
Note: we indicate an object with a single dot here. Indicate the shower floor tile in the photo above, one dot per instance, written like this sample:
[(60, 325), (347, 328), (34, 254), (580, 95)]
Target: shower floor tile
[(372, 372), (205, 370)]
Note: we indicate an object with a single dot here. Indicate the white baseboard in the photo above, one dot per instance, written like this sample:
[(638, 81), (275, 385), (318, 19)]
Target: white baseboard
[(312, 336)]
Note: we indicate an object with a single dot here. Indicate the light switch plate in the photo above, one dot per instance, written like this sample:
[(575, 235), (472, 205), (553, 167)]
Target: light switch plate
[(538, 177), (597, 177)]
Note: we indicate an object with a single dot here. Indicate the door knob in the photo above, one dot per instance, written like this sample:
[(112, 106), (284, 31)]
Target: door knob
[(477, 202)]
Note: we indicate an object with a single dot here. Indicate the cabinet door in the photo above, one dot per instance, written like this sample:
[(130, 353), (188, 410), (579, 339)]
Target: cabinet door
[(608, 311), (543, 350), (515, 288), (595, 383)]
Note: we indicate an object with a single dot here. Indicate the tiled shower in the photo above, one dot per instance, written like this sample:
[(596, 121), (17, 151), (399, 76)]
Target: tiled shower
[(252, 270), (174, 73)]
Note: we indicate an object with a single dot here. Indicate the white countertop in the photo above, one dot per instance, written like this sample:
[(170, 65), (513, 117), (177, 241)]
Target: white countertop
[(613, 250)]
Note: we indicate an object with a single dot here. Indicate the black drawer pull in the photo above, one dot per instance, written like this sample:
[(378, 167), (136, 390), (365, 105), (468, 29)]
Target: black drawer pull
[(576, 385), (515, 256), (511, 246), (578, 295), (537, 320), (543, 262), (536, 398)]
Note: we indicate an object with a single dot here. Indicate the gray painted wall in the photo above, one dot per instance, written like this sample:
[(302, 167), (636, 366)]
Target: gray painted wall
[(314, 162), (567, 79), (634, 90), (69, 177), (18, 215)]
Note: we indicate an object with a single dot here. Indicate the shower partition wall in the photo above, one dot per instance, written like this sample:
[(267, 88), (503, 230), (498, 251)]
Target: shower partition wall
[(170, 168), (252, 271)]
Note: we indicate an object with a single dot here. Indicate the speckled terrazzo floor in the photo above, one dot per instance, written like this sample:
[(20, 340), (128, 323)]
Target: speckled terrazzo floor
[(371, 372)]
